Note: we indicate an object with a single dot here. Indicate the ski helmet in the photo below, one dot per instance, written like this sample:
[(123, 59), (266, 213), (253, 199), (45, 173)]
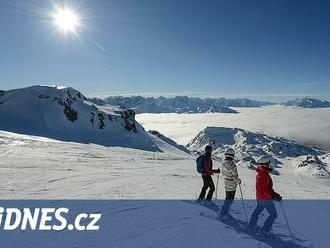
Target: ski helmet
[(230, 152), (264, 160)]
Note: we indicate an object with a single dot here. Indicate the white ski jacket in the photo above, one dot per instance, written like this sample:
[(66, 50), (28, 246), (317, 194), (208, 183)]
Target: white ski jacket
[(230, 175)]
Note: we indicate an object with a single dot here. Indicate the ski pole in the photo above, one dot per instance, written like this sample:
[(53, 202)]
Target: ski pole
[(246, 218), (287, 223), (216, 189)]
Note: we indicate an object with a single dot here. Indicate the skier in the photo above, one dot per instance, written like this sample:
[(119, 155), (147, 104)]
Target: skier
[(207, 172), (231, 180), (265, 196)]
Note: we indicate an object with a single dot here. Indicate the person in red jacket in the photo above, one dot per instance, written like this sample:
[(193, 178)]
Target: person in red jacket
[(265, 195), (207, 174)]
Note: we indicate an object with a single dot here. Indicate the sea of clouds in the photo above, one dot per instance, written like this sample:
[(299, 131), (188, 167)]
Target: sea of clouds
[(306, 126)]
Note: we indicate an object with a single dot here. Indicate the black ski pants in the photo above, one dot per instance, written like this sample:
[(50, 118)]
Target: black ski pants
[(269, 206), (230, 196), (207, 184)]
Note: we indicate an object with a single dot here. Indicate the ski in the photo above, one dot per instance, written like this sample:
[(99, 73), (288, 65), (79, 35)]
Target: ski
[(240, 226)]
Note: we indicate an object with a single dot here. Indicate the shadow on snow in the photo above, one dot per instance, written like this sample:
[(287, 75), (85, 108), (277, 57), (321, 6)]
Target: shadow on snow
[(240, 227)]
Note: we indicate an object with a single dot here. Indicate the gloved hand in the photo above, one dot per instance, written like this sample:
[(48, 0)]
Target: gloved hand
[(277, 197), (217, 171), (238, 181)]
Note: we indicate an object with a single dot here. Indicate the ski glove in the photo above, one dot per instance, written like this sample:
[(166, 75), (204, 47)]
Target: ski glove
[(238, 181), (277, 197), (217, 171)]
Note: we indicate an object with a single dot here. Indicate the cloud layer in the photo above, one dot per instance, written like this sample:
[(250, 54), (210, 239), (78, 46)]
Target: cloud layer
[(307, 126)]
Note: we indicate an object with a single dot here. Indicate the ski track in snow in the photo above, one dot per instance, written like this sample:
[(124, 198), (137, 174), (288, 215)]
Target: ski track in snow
[(172, 223)]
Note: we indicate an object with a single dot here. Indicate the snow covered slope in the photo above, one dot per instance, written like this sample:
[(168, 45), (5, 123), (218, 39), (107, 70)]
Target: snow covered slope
[(33, 167), (249, 146), (308, 102), (65, 114), (178, 224), (169, 141)]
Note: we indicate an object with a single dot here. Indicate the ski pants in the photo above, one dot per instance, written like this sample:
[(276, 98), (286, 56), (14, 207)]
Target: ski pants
[(207, 183), (230, 196), (269, 206)]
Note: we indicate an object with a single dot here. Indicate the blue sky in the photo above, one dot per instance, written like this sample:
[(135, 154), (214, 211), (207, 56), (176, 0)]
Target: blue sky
[(277, 49)]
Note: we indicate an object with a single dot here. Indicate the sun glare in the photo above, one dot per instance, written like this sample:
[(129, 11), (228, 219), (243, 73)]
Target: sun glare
[(66, 20)]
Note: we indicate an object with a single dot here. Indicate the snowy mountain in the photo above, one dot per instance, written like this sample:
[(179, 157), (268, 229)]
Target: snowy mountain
[(249, 145), (65, 114), (241, 102), (307, 102), (180, 104)]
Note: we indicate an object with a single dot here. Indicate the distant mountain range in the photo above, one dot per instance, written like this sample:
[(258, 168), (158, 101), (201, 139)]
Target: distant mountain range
[(180, 104), (184, 104), (308, 102)]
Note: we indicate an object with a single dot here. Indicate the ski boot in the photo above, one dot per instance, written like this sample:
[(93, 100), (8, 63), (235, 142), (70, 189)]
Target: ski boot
[(225, 217)]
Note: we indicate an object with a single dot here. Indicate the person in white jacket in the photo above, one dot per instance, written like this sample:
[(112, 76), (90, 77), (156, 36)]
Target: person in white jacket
[(231, 180)]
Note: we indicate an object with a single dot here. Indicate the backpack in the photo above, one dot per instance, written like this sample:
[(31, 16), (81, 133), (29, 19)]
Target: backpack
[(200, 164)]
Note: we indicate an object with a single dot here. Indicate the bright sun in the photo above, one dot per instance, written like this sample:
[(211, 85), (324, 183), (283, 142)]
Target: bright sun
[(66, 20)]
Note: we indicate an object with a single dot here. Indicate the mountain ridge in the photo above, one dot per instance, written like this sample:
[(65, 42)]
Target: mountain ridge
[(308, 102), (179, 104), (251, 145), (64, 113)]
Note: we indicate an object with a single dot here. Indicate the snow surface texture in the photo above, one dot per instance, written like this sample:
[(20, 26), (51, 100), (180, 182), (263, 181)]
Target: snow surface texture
[(306, 126), (307, 102), (180, 104), (178, 224), (39, 168), (168, 140), (65, 114)]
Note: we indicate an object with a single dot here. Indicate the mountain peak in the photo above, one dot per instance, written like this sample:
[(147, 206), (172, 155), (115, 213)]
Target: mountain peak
[(64, 113), (308, 102), (248, 145)]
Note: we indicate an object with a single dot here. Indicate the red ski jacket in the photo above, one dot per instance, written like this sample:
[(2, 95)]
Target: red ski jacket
[(208, 171), (264, 184)]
